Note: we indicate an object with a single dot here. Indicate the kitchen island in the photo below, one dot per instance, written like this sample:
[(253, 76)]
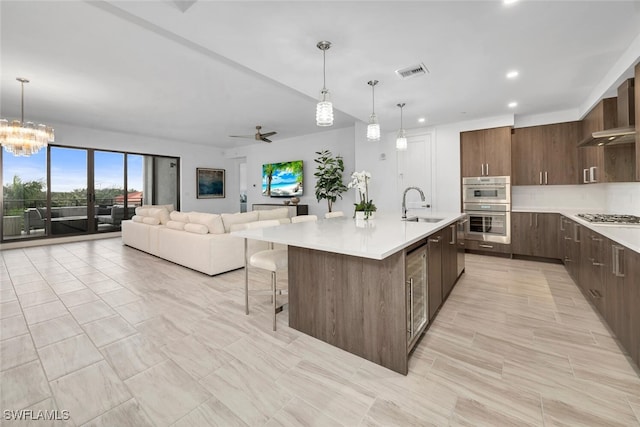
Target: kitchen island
[(348, 281)]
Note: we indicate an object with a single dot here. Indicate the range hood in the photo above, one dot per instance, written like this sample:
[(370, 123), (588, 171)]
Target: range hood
[(625, 133)]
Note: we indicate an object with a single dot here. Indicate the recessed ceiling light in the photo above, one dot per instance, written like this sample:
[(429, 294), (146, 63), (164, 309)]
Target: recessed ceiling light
[(512, 74), (507, 2), (421, 120), (513, 104)]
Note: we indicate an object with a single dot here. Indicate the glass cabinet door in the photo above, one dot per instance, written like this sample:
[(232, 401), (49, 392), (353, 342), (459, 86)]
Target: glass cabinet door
[(417, 295)]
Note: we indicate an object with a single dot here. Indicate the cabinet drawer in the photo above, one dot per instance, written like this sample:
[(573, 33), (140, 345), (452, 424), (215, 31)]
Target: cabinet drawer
[(478, 245)]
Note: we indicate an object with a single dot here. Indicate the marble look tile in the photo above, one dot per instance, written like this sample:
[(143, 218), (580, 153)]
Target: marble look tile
[(78, 297), (37, 298), (195, 357), (44, 312), (92, 277), (166, 392), (104, 286), (298, 412), (10, 309), (68, 355), (27, 288), (22, 386), (67, 286), (16, 351), (31, 276), (7, 295), (161, 330), (91, 311), (579, 410), (108, 330), (132, 355), (119, 297), (211, 413), (59, 277), (12, 327), (273, 358), (386, 413), (138, 311), (246, 391), (128, 414), (55, 330), (89, 392)]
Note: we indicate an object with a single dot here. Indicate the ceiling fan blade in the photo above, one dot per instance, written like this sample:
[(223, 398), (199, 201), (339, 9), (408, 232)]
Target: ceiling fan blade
[(265, 139), (268, 134), (241, 136)]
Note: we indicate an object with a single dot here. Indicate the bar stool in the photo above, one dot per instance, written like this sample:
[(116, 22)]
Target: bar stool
[(303, 218), (271, 260), (335, 214)]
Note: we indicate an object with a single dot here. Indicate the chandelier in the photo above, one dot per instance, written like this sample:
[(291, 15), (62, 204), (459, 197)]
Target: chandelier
[(24, 139), (373, 130), (324, 109), (401, 140)]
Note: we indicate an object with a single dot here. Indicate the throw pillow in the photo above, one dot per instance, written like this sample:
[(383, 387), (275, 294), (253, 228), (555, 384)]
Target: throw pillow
[(137, 218), (150, 220), (273, 213), (196, 228), (176, 225), (240, 218), (179, 216), (213, 222), (161, 213)]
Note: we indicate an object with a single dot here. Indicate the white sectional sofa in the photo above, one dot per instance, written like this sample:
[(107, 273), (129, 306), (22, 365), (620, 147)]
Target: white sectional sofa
[(196, 240)]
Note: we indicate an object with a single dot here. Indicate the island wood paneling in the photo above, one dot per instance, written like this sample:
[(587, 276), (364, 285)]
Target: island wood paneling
[(356, 304)]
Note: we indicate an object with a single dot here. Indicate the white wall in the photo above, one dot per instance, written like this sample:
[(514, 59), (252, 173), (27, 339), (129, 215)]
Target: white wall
[(191, 157), (338, 141)]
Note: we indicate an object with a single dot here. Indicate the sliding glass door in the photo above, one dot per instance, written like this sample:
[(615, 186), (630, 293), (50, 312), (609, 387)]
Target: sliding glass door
[(74, 191)]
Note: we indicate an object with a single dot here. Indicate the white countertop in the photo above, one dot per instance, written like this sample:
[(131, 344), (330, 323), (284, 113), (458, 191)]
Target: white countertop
[(375, 239), (626, 235)]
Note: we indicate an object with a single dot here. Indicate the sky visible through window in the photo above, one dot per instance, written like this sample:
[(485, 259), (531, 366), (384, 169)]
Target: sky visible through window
[(69, 169)]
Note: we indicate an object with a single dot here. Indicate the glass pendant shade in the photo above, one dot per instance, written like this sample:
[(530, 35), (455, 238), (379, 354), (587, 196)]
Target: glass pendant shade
[(22, 138), (401, 140), (373, 130), (324, 110)]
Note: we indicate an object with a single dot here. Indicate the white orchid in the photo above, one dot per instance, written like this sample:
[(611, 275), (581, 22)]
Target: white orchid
[(360, 181)]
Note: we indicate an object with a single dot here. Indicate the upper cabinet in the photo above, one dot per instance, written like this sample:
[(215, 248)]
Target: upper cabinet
[(545, 155), (486, 152)]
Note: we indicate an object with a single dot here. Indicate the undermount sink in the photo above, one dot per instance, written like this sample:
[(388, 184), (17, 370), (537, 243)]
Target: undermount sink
[(423, 219)]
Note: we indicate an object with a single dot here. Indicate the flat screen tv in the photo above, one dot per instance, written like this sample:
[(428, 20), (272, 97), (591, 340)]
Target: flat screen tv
[(282, 179)]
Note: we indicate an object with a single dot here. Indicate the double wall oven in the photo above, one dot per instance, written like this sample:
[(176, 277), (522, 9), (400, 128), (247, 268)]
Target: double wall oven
[(487, 203)]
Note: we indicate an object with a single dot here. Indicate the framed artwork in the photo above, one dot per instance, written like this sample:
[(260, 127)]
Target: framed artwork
[(210, 183)]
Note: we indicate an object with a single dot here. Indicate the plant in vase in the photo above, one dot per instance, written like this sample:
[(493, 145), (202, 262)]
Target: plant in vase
[(360, 181), (328, 175)]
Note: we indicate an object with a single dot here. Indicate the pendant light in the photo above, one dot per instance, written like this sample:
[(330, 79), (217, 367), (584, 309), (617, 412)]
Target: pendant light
[(373, 130), (24, 139), (324, 109), (401, 140)]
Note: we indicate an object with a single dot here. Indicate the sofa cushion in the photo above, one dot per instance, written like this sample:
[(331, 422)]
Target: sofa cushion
[(176, 225), (137, 218), (273, 214), (179, 216), (161, 213), (239, 218), (196, 228), (213, 222), (150, 220)]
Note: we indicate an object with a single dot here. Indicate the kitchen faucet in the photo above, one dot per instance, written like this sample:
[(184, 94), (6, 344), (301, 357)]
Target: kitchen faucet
[(404, 200)]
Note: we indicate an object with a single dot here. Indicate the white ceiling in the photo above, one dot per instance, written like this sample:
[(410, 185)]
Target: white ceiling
[(198, 71)]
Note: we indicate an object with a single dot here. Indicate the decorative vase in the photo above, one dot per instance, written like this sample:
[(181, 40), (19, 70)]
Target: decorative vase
[(295, 200), (364, 215)]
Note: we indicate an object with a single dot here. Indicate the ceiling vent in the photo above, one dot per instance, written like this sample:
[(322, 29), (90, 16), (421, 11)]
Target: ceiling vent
[(413, 71)]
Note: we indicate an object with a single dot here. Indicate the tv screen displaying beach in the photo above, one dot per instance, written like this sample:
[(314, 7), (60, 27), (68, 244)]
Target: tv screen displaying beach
[(282, 179)]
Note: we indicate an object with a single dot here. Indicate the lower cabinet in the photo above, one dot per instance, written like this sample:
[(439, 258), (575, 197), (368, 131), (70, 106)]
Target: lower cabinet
[(535, 234), (434, 248), (609, 276), (417, 295), (449, 259), (479, 245)]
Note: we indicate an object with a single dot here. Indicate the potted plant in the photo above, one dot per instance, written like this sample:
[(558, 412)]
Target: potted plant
[(328, 175), (365, 207)]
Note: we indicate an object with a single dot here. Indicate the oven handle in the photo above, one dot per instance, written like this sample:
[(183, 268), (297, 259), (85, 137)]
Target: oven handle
[(484, 187), (486, 213)]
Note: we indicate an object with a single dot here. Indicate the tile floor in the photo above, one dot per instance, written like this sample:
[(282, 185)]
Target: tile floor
[(118, 337)]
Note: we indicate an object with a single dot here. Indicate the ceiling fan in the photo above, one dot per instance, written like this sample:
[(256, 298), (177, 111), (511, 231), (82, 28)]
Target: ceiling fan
[(258, 136)]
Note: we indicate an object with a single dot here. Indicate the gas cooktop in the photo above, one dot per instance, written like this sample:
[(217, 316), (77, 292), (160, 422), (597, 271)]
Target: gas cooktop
[(611, 219)]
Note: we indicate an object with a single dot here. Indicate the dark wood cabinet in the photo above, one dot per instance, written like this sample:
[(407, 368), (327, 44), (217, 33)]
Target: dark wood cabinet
[(535, 234), (486, 152), (545, 155), (592, 267), (434, 251), (449, 259), (570, 241)]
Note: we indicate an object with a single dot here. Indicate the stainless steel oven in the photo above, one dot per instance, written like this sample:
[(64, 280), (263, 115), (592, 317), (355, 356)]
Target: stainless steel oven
[(486, 189), (488, 222)]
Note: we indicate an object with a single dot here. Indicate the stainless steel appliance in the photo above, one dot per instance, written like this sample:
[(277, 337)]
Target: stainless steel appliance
[(613, 219), (417, 294), (488, 222), (486, 189)]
